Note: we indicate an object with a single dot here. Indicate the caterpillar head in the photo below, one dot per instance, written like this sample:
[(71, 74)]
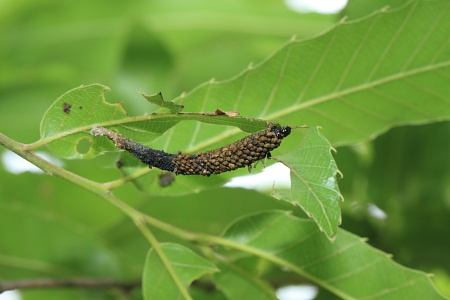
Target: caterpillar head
[(281, 132)]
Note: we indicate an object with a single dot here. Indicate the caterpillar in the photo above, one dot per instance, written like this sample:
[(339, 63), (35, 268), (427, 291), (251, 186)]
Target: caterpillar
[(239, 154)]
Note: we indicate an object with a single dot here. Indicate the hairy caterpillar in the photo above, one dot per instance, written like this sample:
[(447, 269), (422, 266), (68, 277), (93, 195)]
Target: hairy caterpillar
[(231, 157)]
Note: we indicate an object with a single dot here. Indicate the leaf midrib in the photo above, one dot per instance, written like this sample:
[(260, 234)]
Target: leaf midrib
[(315, 101), (365, 86), (276, 115)]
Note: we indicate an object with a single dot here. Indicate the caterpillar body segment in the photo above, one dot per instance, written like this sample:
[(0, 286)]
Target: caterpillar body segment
[(237, 155)]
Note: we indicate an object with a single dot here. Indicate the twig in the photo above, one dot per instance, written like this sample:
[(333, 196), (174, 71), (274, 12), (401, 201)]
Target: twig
[(87, 283)]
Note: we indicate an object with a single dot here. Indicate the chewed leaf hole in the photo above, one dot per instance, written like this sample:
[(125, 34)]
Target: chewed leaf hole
[(84, 145)]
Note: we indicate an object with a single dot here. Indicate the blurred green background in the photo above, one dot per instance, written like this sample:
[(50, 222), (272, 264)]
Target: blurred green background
[(49, 47)]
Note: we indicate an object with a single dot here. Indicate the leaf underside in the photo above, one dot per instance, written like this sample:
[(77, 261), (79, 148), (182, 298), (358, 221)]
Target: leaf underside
[(355, 81), (392, 71), (313, 181), (70, 118)]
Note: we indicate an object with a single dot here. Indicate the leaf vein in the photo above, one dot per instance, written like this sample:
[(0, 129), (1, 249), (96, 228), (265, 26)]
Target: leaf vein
[(355, 54), (334, 254), (317, 68), (277, 84), (388, 48), (399, 287), (355, 271), (355, 89), (424, 39)]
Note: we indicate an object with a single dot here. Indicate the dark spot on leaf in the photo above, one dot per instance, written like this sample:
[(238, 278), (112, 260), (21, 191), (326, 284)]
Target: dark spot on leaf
[(80, 107), (66, 107), (119, 164)]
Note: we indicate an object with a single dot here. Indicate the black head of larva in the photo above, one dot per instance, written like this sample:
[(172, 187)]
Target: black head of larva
[(281, 132)]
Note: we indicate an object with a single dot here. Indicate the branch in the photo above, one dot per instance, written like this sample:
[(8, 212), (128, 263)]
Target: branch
[(49, 168), (102, 191), (140, 219), (87, 283), (96, 188)]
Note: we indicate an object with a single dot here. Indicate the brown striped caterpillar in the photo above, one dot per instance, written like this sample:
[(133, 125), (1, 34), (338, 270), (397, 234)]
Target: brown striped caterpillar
[(239, 154)]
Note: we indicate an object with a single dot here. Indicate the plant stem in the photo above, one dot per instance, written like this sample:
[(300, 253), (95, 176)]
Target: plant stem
[(166, 262), (102, 191), (139, 218), (50, 168)]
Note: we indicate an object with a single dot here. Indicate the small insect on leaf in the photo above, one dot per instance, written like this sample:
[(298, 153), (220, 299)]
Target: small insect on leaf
[(67, 107)]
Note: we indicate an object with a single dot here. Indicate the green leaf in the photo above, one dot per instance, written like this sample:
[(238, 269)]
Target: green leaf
[(209, 211), (313, 181), (356, 9), (354, 88), (158, 282), (158, 100), (236, 283), (356, 80), (69, 117), (347, 267), (68, 121)]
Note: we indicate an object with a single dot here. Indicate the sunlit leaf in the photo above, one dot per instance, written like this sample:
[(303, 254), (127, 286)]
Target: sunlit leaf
[(70, 118), (347, 267), (313, 181), (354, 88), (356, 80), (74, 111)]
